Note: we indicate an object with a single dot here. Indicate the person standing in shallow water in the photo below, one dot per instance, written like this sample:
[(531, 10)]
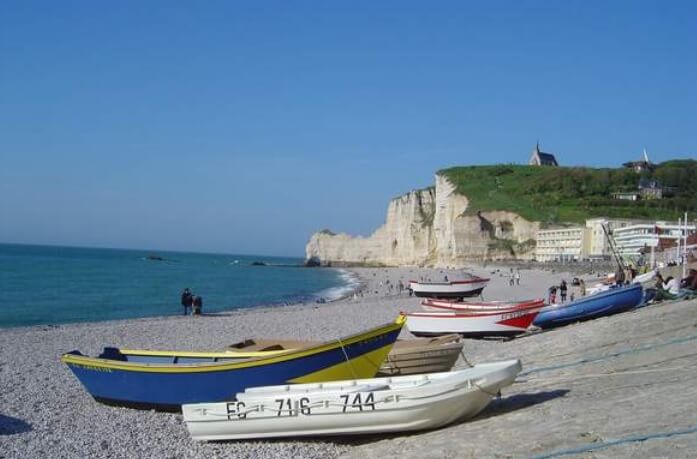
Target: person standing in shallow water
[(187, 300)]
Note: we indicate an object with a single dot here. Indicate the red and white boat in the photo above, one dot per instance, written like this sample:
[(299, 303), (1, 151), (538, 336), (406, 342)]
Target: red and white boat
[(452, 289), (478, 325), (478, 307)]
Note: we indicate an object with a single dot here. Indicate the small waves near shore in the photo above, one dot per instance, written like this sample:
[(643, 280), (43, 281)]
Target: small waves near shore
[(350, 284), (57, 285)]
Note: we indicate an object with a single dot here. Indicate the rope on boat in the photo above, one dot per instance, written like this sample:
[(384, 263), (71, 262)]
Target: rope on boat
[(353, 373), (496, 394), (464, 357)]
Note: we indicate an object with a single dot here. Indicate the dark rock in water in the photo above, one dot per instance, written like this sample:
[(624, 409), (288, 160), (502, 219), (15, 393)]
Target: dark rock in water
[(313, 262), (258, 263)]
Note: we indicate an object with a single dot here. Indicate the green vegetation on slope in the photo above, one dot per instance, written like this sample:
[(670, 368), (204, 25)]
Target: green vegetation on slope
[(573, 194)]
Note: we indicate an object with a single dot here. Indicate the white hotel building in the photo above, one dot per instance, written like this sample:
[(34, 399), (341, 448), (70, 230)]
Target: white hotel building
[(631, 240), (589, 242), (560, 244)]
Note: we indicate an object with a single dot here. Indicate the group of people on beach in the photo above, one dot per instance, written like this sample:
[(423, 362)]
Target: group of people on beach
[(191, 302), (671, 288), (563, 289), (515, 277)]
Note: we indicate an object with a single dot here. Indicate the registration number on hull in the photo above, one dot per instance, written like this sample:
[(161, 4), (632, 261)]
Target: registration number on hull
[(289, 406)]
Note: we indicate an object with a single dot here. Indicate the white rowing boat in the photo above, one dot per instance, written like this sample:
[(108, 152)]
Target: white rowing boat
[(363, 406), (452, 289), (477, 307), (478, 325)]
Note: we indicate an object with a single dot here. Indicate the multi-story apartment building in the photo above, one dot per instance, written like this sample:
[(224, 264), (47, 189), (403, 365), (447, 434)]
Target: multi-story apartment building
[(590, 241), (633, 239), (561, 244), (598, 246)]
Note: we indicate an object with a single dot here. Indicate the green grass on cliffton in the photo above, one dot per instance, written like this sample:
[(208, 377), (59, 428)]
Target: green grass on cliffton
[(555, 195)]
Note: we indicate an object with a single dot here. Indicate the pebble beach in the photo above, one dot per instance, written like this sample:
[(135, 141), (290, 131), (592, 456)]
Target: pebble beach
[(620, 386)]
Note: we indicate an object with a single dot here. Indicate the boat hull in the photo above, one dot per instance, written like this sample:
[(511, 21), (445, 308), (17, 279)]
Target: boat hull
[(369, 406), (455, 289), (497, 324), (600, 304), (412, 356), (478, 307), (167, 386)]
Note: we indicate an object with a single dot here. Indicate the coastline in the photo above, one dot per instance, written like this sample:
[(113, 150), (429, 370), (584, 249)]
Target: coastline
[(44, 411)]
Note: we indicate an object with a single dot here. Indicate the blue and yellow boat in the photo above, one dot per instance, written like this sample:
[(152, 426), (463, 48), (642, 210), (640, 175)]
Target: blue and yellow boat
[(150, 381)]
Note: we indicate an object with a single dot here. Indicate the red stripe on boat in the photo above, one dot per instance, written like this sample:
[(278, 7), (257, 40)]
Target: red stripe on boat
[(523, 321)]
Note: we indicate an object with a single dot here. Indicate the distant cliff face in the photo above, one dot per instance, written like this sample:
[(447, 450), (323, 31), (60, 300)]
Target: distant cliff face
[(429, 227)]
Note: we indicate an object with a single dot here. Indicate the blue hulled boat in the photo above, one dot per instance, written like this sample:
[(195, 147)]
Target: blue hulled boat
[(117, 378), (589, 307)]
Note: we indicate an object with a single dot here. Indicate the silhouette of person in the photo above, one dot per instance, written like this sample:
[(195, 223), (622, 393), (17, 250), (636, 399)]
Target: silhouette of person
[(187, 300), (198, 305)]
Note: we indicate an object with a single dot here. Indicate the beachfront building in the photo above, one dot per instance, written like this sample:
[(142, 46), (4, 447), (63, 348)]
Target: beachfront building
[(632, 240), (561, 244), (598, 247), (587, 242), (540, 158)]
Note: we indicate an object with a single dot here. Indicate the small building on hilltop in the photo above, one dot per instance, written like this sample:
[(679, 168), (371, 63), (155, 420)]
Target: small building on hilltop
[(650, 189), (540, 158)]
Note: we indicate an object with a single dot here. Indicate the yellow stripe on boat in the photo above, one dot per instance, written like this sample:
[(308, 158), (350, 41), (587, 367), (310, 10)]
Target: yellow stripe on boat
[(107, 364), (204, 354), (364, 366)]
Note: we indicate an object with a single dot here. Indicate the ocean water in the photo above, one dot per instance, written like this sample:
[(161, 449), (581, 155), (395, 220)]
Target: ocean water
[(53, 285)]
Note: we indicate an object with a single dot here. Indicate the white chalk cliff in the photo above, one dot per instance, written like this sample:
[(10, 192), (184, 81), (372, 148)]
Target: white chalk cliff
[(431, 227)]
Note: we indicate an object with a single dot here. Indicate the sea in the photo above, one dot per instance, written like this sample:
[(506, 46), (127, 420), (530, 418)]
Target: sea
[(57, 285)]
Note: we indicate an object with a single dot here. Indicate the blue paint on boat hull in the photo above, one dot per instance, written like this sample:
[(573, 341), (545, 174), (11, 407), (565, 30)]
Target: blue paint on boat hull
[(590, 307), (168, 390)]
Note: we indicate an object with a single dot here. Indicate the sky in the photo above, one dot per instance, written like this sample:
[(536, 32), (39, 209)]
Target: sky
[(244, 126)]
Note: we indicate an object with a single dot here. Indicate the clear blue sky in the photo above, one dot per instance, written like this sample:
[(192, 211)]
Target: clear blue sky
[(242, 127)]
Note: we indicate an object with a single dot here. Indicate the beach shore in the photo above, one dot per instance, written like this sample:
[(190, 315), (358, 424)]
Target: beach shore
[(588, 384)]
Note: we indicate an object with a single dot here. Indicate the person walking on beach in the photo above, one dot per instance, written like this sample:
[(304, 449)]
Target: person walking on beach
[(562, 290), (517, 276), (553, 294), (581, 288), (198, 305), (187, 300)]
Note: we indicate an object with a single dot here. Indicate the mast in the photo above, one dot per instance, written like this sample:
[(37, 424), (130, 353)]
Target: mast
[(613, 249), (678, 253), (684, 246)]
